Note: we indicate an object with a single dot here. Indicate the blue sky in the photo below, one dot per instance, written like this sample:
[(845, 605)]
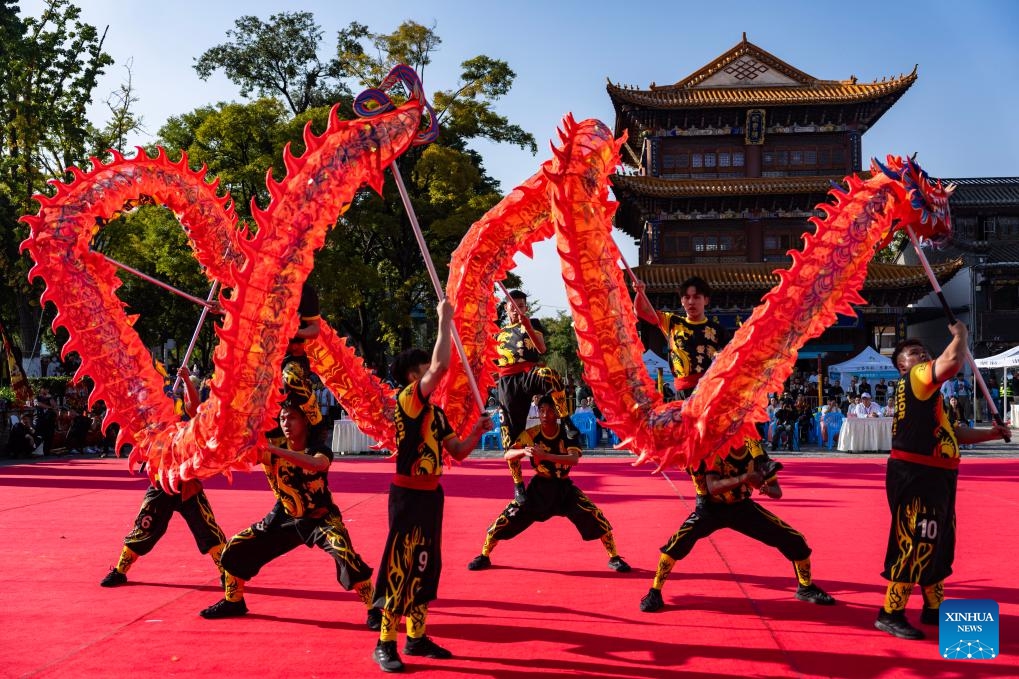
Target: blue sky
[(960, 115)]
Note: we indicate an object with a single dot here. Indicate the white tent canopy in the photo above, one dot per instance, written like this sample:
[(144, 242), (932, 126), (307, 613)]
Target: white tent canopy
[(1005, 359), (653, 362), (868, 363)]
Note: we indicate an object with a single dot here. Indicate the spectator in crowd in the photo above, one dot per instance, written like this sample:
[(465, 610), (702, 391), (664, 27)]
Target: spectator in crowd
[(804, 417), (881, 391), (44, 421), (22, 440), (831, 407), (77, 433), (866, 407), (964, 392), (864, 386), (954, 412), (785, 420)]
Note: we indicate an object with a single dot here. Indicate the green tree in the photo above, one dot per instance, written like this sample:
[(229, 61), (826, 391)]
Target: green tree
[(370, 277), (276, 59), (49, 69), (561, 341)]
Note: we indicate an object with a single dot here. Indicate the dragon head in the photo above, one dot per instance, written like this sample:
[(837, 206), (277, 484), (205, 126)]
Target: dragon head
[(926, 206)]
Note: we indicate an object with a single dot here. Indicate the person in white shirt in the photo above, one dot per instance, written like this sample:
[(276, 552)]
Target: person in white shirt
[(866, 407)]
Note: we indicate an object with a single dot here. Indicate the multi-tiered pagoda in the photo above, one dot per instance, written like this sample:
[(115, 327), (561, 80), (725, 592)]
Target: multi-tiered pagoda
[(728, 164)]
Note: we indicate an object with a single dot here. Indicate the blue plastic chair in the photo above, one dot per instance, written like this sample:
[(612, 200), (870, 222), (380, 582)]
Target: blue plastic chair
[(833, 423), (493, 437)]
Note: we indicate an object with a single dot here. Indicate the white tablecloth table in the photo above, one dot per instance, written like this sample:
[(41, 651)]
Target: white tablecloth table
[(347, 438), (866, 433)]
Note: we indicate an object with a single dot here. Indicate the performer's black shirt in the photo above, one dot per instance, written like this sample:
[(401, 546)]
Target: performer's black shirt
[(692, 346), (561, 443), (301, 491), (515, 346), (421, 429), (919, 422)]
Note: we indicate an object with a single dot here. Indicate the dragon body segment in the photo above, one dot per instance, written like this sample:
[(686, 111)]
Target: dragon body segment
[(263, 272)]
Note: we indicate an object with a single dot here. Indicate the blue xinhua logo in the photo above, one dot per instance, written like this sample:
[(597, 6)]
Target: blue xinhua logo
[(968, 629)]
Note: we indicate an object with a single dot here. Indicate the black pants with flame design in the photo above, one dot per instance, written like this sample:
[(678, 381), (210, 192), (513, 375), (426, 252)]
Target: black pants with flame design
[(279, 533), (547, 497), (921, 540), (746, 517), (412, 560), (158, 508)]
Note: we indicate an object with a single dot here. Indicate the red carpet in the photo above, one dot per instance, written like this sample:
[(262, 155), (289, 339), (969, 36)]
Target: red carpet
[(549, 605)]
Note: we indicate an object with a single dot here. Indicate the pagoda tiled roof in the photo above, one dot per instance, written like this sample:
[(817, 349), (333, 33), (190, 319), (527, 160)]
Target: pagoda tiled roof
[(984, 191), (804, 89), (741, 186), (829, 92), (761, 276)]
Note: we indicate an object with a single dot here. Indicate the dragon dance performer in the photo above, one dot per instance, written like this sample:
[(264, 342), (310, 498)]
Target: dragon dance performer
[(723, 501), (412, 560), (920, 482), (304, 514), (553, 452), (693, 339), (158, 508), (523, 375), (296, 369)]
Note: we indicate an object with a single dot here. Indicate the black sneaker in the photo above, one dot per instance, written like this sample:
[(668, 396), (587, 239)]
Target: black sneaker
[(426, 648), (520, 493), (930, 616), (225, 609), (617, 564), (814, 595), (386, 656), (374, 621), (652, 601), (479, 563), (897, 625), (113, 579)]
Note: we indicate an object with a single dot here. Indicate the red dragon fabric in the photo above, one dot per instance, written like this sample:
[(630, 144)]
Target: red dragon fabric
[(263, 273)]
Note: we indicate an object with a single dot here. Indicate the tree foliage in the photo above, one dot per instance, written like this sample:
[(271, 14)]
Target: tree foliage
[(49, 69), (561, 341), (278, 58), (370, 277)]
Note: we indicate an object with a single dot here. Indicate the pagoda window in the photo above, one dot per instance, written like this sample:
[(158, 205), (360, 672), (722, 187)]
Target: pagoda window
[(683, 160), (1008, 226), (965, 226), (824, 157), (990, 227), (768, 157), (710, 160), (782, 158), (838, 156), (737, 159), (696, 160), (810, 157), (724, 159)]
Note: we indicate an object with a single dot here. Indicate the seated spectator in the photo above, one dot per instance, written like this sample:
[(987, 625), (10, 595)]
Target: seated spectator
[(785, 420), (22, 440), (866, 407), (804, 417), (831, 407), (77, 433), (585, 406)]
